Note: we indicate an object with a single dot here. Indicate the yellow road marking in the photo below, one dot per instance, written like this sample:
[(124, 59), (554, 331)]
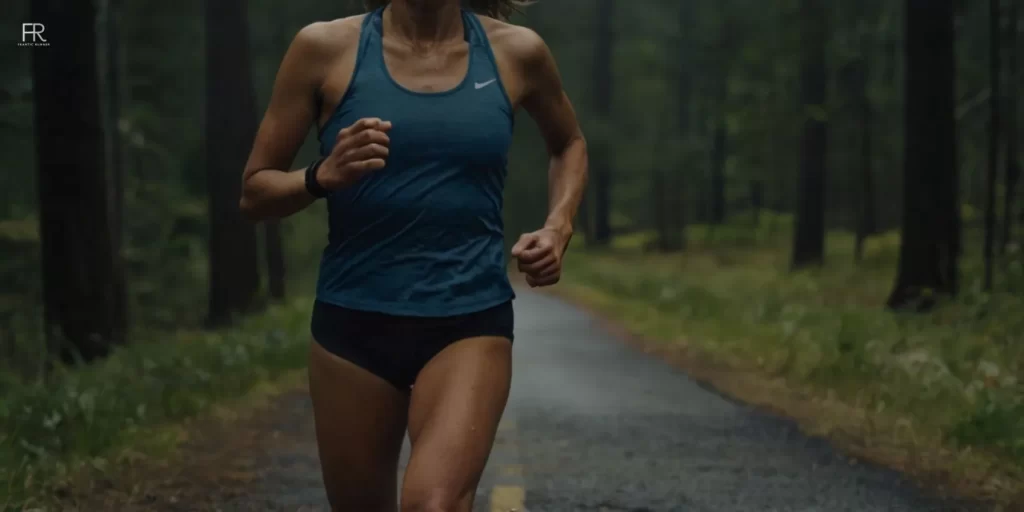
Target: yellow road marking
[(510, 495), (507, 498)]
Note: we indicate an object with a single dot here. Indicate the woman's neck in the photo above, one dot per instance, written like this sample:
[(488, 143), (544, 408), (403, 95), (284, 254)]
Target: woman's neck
[(424, 22)]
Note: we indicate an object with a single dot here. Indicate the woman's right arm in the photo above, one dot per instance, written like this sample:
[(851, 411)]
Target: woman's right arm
[(269, 190)]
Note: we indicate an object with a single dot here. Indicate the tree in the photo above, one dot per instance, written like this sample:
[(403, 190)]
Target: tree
[(866, 222), (230, 128), (601, 161), (1012, 173), (854, 78), (666, 189), (993, 140), (718, 157), (726, 48), (809, 239), (679, 203), (930, 244), (114, 156), (275, 259), (81, 295), (274, 247), (669, 186), (659, 200)]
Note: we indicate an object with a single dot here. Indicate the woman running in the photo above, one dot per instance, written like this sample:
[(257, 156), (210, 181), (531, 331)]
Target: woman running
[(413, 322)]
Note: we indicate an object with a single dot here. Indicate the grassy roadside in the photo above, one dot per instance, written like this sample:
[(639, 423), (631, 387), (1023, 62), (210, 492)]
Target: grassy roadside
[(81, 419), (937, 396)]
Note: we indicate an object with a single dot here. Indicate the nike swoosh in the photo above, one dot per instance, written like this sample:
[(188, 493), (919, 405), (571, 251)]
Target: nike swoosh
[(481, 85)]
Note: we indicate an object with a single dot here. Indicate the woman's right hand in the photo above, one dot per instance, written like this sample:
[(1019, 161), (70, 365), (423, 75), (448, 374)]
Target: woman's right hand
[(358, 150)]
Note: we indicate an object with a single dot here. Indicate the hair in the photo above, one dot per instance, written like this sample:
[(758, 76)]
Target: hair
[(500, 9)]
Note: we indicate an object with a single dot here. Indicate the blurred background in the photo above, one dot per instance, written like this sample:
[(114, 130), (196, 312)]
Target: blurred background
[(822, 191)]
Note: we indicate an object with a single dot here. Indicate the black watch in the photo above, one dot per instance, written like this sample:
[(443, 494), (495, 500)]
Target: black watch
[(312, 185)]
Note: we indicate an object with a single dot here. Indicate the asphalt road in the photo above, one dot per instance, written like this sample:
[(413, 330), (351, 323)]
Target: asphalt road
[(592, 425), (600, 426)]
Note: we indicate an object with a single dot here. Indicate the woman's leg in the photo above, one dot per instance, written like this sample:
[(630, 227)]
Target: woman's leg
[(457, 401), (360, 424)]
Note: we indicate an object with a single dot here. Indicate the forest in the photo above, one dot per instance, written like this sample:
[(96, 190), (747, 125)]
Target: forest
[(825, 195)]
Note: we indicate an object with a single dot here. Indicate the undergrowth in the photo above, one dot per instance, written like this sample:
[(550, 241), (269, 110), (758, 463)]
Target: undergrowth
[(76, 416)]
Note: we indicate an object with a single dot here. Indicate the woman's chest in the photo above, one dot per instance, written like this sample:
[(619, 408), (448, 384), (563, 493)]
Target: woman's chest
[(468, 125)]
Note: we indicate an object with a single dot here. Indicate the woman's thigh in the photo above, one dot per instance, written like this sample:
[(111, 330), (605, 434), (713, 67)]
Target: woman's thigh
[(457, 402), (360, 424)]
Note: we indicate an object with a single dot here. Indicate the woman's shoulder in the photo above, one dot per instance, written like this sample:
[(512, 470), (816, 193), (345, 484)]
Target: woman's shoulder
[(328, 38), (519, 43)]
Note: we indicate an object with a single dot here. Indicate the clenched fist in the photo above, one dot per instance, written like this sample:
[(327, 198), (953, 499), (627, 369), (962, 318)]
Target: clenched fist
[(358, 150), (539, 256)]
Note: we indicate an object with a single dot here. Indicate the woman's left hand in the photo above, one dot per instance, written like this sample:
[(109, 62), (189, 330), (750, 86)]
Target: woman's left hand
[(539, 256)]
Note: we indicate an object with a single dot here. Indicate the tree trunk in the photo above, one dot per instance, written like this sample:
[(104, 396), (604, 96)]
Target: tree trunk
[(601, 166), (809, 237), (678, 205), (81, 291), (273, 243), (230, 128), (602, 199), (867, 223), (112, 113), (275, 259), (756, 201), (702, 130), (930, 245), (658, 195), (993, 140), (115, 157), (583, 223), (1012, 176), (718, 156), (666, 188), (678, 209)]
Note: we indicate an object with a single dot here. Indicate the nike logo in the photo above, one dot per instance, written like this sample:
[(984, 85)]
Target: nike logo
[(481, 85)]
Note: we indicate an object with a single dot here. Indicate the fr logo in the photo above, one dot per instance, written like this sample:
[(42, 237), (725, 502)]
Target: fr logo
[(32, 34)]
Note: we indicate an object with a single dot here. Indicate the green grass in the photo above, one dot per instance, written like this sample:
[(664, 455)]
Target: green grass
[(78, 416), (953, 373)]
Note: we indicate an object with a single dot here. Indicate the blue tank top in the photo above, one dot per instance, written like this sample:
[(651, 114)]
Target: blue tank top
[(423, 236)]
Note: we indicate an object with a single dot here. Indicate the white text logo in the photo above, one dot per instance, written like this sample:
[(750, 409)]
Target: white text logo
[(32, 35)]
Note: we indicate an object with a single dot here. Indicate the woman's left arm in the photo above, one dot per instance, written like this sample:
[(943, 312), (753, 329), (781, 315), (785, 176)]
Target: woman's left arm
[(540, 253)]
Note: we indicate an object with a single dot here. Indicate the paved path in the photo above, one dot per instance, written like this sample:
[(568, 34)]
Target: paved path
[(592, 425)]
